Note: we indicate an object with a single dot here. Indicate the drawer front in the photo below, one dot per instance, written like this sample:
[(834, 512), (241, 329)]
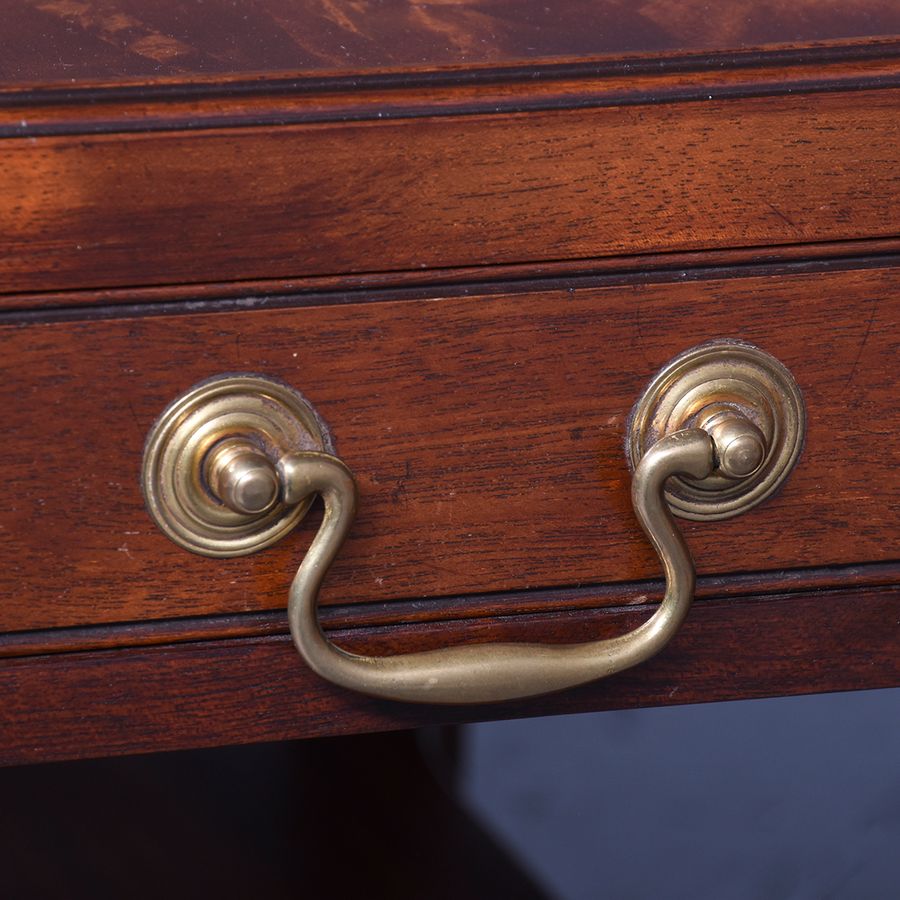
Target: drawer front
[(520, 248), (219, 204), (486, 433)]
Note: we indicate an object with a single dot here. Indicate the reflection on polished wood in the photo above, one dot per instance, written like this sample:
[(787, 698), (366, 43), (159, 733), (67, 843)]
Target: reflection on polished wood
[(51, 41)]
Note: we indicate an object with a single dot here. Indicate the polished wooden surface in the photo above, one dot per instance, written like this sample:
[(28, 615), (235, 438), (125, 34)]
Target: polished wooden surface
[(221, 204), (486, 433), (271, 103), (60, 41), (58, 306), (246, 690), (334, 617), (585, 190)]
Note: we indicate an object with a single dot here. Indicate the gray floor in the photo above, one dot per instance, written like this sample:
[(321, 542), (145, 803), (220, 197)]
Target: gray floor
[(791, 798)]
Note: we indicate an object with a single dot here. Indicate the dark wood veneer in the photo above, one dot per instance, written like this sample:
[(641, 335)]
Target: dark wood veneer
[(61, 42), (75, 639), (335, 289), (268, 103), (323, 199), (505, 475), (240, 691)]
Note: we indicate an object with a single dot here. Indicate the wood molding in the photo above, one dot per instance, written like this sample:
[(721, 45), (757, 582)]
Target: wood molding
[(437, 609), (75, 305), (256, 689), (264, 104)]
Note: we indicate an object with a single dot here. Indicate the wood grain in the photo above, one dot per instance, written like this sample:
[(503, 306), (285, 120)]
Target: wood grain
[(88, 109), (157, 208), (241, 691), (272, 293), (444, 609), (57, 41), (486, 433)]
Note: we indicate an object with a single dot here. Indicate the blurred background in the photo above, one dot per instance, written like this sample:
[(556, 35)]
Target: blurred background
[(790, 798)]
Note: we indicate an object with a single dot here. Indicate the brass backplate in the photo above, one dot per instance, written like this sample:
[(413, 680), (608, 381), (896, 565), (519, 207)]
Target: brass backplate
[(269, 414), (730, 374)]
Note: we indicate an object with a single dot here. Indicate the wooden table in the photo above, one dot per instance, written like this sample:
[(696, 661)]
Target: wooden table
[(469, 237)]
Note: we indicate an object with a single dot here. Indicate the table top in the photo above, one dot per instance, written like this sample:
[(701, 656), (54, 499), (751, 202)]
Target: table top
[(56, 42)]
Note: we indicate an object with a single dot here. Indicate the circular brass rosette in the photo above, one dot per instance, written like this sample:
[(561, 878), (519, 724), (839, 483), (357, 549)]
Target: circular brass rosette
[(266, 414), (697, 386)]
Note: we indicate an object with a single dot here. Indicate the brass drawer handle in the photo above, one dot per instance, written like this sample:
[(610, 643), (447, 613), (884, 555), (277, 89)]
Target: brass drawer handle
[(715, 432), (482, 673)]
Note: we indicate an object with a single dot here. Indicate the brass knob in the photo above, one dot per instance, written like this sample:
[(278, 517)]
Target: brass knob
[(740, 446), (750, 405), (211, 477), (242, 477)]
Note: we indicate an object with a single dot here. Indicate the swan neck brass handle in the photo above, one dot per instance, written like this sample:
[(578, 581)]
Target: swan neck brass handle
[(232, 465), (483, 673)]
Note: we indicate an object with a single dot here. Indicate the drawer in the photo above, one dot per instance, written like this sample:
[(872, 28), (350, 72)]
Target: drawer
[(486, 433), (94, 204)]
